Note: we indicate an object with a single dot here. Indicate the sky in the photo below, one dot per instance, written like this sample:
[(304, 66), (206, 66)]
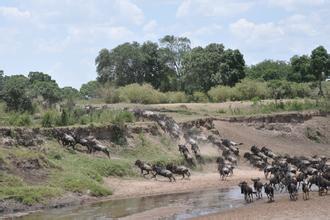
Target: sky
[(63, 37)]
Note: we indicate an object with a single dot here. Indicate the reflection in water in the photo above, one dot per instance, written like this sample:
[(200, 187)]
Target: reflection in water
[(198, 203)]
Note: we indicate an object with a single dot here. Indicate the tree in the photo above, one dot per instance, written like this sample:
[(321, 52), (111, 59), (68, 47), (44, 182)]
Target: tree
[(211, 66), (15, 93), (301, 69), (1, 82), (43, 85), (231, 69), (269, 70), (70, 93), (320, 65), (50, 91), (39, 76), (103, 63), (90, 89), (174, 49)]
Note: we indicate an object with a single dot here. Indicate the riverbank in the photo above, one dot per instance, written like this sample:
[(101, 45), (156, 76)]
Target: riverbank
[(317, 208), (207, 179)]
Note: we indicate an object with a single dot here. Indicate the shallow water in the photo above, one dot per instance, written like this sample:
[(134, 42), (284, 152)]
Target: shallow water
[(193, 204)]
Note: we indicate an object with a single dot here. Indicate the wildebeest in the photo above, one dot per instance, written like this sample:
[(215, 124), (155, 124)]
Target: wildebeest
[(66, 139), (143, 167), (184, 150), (197, 152), (305, 190), (93, 145), (257, 185), (323, 184), (293, 191), (224, 171), (180, 170), (247, 191), (269, 190), (158, 170)]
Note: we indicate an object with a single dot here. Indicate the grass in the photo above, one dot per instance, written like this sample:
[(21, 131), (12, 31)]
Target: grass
[(153, 152)]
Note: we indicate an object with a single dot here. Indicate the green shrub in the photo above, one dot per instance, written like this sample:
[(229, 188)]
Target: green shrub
[(176, 97), (199, 97), (221, 93), (144, 94), (49, 119), (18, 119), (248, 89), (301, 90)]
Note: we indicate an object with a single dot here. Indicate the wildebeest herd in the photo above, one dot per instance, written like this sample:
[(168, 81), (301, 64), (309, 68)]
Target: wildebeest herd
[(68, 139), (287, 173)]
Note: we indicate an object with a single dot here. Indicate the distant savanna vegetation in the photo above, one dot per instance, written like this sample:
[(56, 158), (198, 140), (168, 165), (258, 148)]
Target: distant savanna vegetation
[(168, 71)]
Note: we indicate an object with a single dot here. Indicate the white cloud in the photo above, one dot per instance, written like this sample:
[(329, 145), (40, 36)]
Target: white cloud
[(150, 26), (209, 8), (299, 24), (250, 31), (295, 4), (130, 11), (14, 13)]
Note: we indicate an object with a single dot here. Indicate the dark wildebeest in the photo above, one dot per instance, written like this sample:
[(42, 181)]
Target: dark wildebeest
[(275, 180), (269, 190), (257, 185), (293, 191), (323, 184), (247, 191), (143, 167), (224, 171), (180, 170), (197, 152), (300, 177), (305, 190), (94, 145), (65, 139), (312, 180), (184, 150), (163, 172), (267, 170)]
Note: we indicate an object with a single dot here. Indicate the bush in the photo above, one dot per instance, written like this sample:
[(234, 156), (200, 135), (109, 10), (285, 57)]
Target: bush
[(176, 97), (144, 94), (221, 93), (300, 90), (199, 97), (17, 119), (109, 93), (248, 89), (49, 119)]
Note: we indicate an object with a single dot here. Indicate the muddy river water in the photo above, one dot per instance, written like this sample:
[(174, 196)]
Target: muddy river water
[(183, 206)]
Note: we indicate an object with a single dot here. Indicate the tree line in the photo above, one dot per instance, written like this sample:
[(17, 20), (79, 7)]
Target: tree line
[(19, 91), (173, 65)]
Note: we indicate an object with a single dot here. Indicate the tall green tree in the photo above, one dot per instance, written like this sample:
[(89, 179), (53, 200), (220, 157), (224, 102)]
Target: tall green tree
[(15, 93), (320, 65), (90, 89), (211, 66), (269, 70), (43, 85), (174, 49), (1, 82), (103, 63), (301, 69)]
